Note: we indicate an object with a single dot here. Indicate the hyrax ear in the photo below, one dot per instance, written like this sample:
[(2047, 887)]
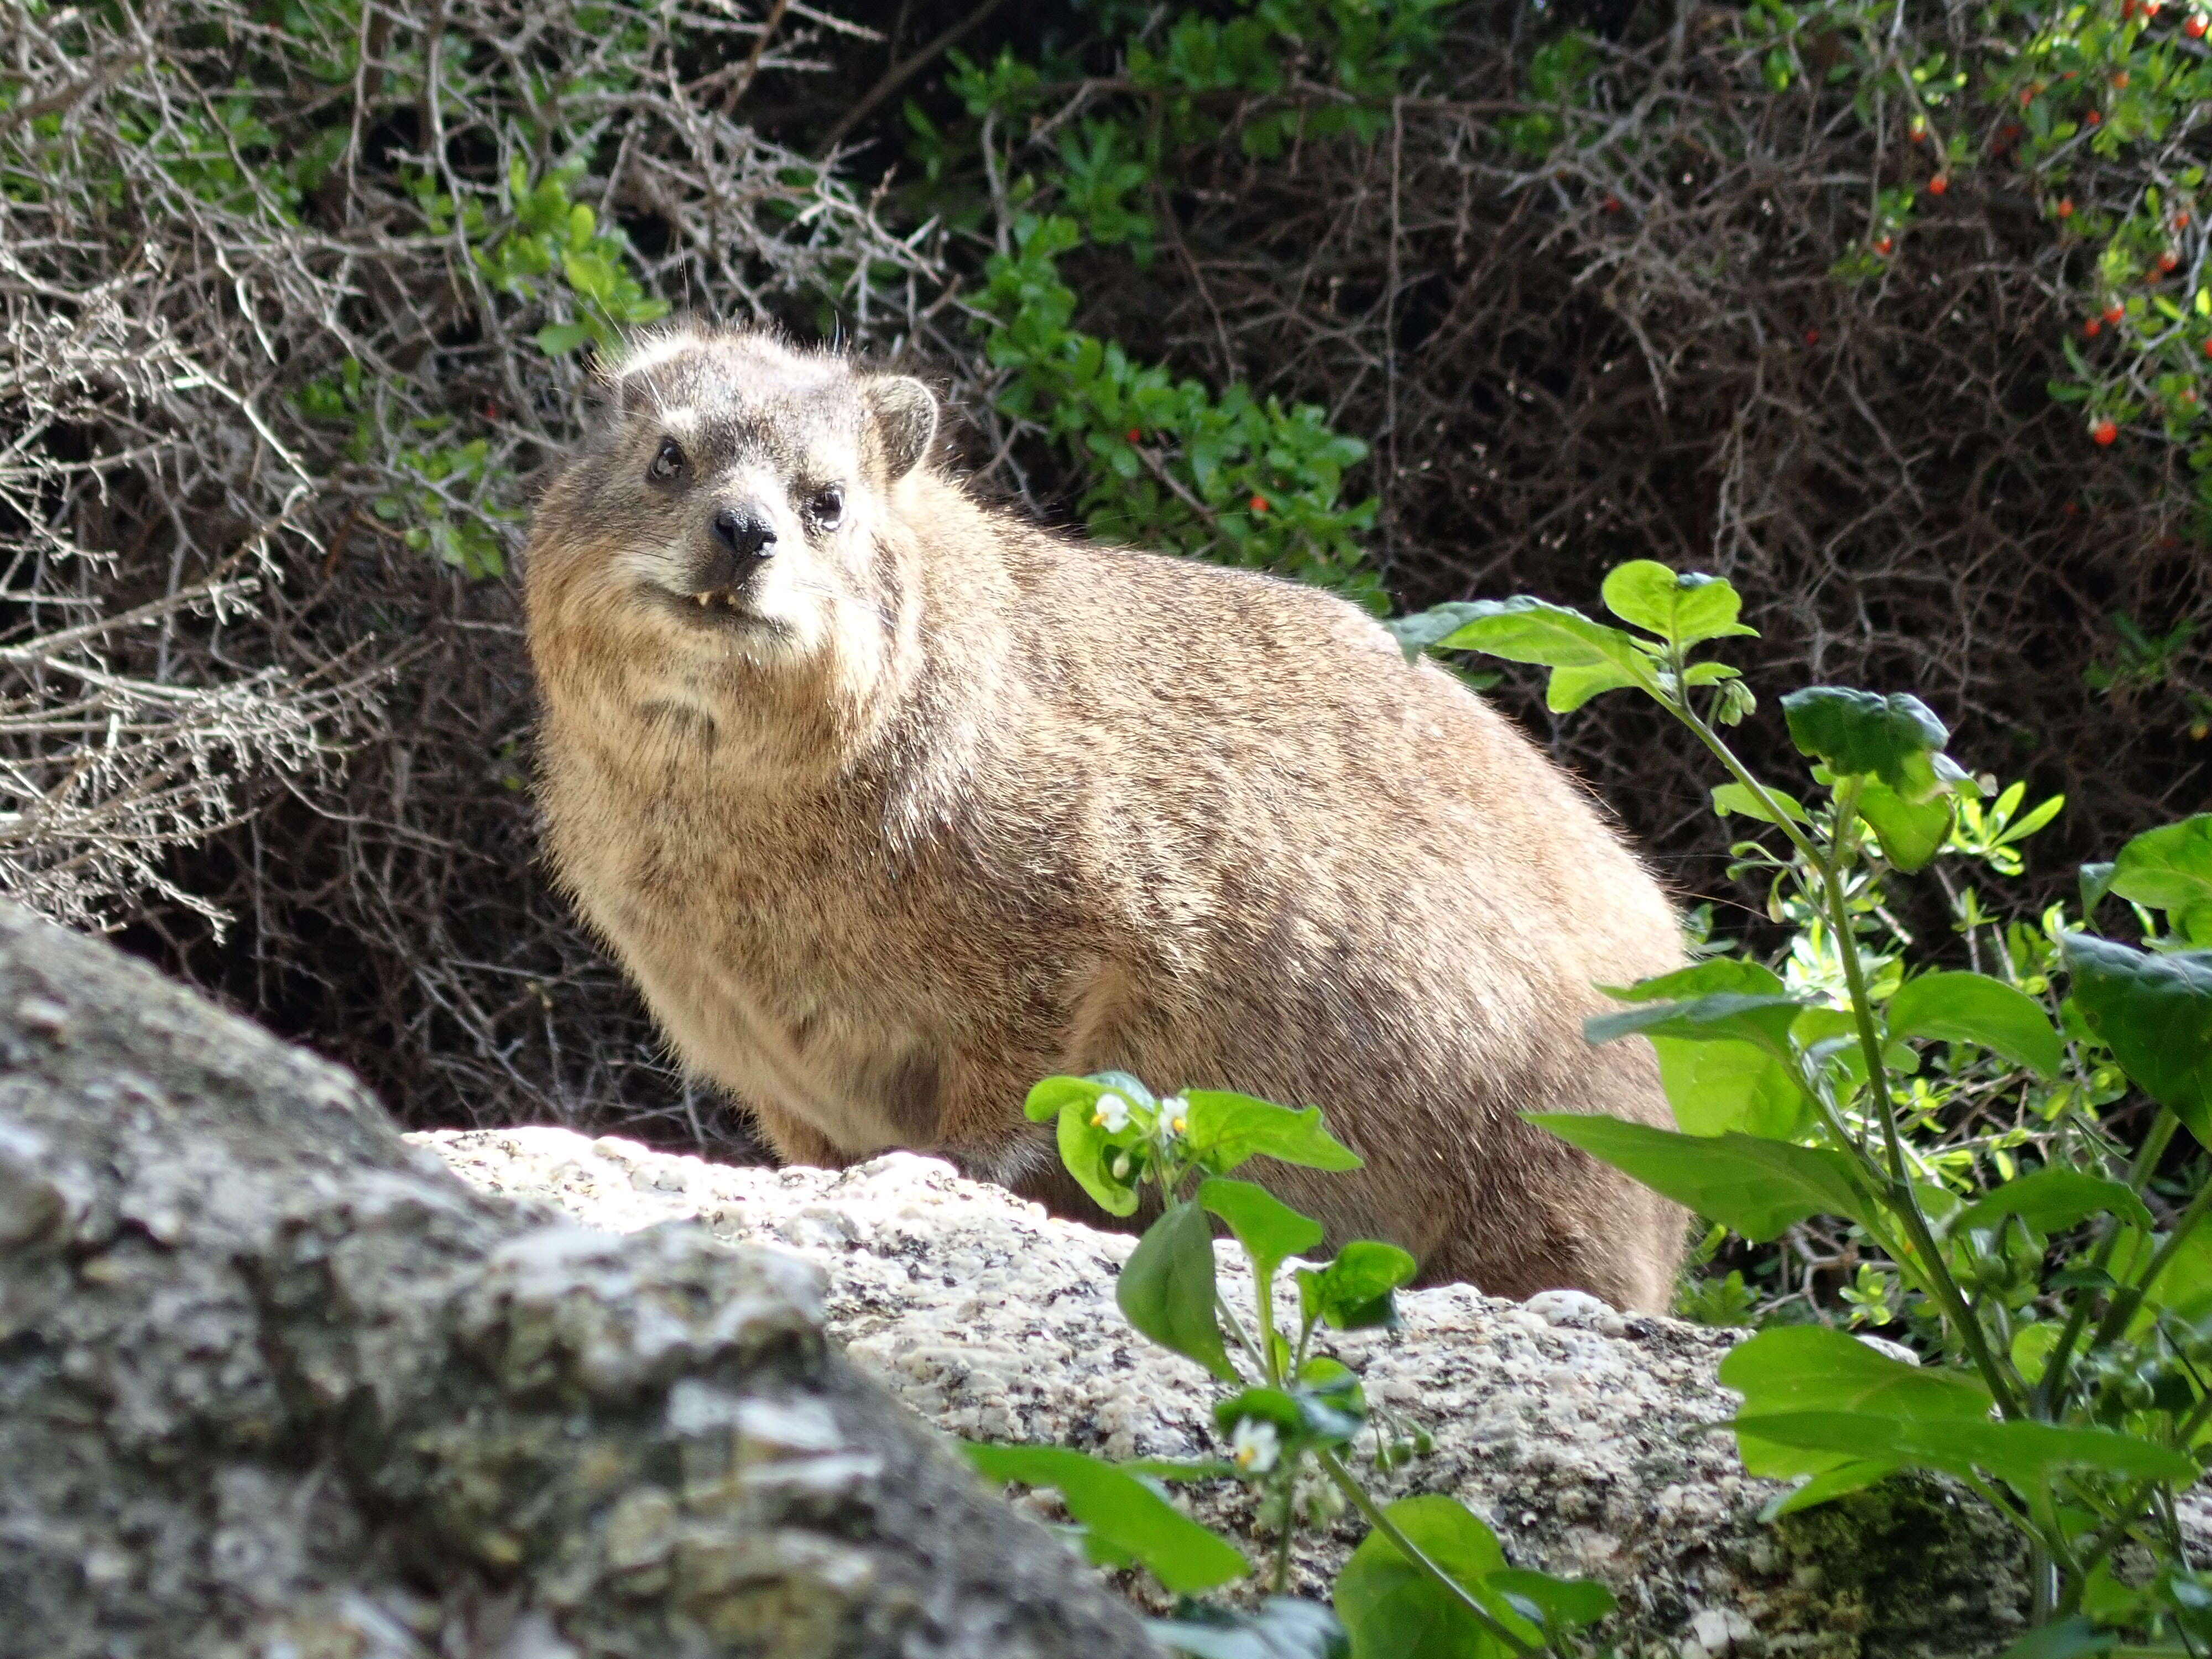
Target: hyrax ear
[(905, 414)]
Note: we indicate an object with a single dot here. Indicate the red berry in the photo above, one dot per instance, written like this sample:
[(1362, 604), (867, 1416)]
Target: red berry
[(2104, 432), (2094, 119), (2181, 220), (1613, 204), (1812, 337), (2167, 260), (1919, 129), (2207, 347), (2114, 312), (1883, 246), (1259, 503), (1939, 184), (2066, 207), (2093, 328), (1134, 435), (2073, 509), (2194, 28), (2148, 7), (2120, 77)]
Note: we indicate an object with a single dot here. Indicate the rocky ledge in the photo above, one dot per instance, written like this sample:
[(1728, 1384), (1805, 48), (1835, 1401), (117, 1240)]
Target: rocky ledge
[(1584, 1437)]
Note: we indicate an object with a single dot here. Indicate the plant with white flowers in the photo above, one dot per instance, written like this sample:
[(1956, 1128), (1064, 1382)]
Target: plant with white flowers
[(1292, 1414)]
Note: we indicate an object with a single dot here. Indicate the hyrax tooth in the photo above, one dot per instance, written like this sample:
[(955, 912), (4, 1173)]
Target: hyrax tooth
[(702, 598)]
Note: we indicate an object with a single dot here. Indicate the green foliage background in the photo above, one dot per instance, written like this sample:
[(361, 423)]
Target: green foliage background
[(1419, 299)]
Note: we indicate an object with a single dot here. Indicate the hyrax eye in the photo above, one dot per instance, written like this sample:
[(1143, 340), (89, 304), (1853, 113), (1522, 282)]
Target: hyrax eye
[(827, 505), (667, 461)]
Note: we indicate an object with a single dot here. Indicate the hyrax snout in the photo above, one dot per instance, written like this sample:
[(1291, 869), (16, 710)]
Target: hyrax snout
[(891, 804)]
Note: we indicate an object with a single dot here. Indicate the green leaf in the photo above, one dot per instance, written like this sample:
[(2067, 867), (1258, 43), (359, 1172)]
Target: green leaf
[(1755, 1186), (2096, 882), (1685, 609), (1569, 688), (1911, 833), (1716, 1087), (1596, 657), (1892, 738), (1716, 973), (1394, 1611), (1800, 1368), (1417, 633), (1282, 1628), (1562, 1605), (1166, 1288), (1734, 798), (2070, 1638), (1354, 1291), (1088, 1149), (2050, 1200), (1761, 1018), (1045, 1101), (1962, 1007), (1267, 1228), (559, 339), (1121, 1511), (2169, 868), (2156, 1012), (1225, 1129), (1302, 1416), (2025, 1454)]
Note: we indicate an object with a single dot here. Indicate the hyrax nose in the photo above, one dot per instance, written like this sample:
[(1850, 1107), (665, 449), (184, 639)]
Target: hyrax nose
[(744, 539)]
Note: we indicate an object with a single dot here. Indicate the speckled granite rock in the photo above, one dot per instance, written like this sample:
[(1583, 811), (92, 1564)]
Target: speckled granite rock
[(275, 1385), (1584, 1436)]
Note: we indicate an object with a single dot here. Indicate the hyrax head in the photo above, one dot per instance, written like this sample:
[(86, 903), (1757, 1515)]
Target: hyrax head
[(736, 495)]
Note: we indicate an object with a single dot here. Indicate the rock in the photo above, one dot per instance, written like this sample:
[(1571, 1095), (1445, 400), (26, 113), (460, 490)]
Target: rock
[(274, 1383), (1585, 1437)]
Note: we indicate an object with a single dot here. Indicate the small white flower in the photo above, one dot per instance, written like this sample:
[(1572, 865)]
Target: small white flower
[(1175, 1115), (1111, 1113), (1255, 1445)]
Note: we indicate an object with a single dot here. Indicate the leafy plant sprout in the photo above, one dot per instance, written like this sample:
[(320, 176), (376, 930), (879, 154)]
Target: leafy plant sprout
[(2075, 1399)]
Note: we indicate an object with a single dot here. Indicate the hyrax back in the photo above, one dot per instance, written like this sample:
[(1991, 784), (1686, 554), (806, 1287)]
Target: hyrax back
[(892, 804)]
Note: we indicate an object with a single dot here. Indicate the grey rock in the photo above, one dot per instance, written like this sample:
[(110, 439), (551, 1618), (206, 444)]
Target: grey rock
[(1586, 1437), (275, 1385)]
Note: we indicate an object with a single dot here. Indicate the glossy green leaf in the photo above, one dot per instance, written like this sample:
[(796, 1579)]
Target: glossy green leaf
[(1752, 1185), (1268, 1228), (1355, 1290), (1685, 609), (1045, 1101), (1225, 1129), (2169, 868), (1089, 1150), (1963, 1007), (1119, 1511), (1283, 1627), (2025, 1454), (1761, 1018), (2156, 1012), (1167, 1289), (1718, 1087), (1910, 832), (1526, 629), (2070, 1638), (1893, 738), (1562, 1605), (2052, 1200), (1734, 798), (1715, 974), (1394, 1611), (1569, 688)]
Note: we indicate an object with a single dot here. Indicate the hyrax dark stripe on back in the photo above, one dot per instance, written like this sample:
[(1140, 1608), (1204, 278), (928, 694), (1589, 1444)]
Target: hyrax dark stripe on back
[(892, 804)]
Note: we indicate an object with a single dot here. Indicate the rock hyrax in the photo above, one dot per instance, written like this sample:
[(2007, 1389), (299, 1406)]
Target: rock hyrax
[(892, 804)]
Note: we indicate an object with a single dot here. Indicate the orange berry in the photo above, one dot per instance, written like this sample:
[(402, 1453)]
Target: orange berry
[(1259, 503), (2207, 348), (2194, 28), (1883, 246), (2066, 207), (2167, 261), (1939, 184), (2093, 328), (2114, 312), (2104, 432), (2094, 119), (2120, 77)]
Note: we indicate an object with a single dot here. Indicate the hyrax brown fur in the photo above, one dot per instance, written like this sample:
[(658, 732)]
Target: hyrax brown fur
[(892, 804)]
